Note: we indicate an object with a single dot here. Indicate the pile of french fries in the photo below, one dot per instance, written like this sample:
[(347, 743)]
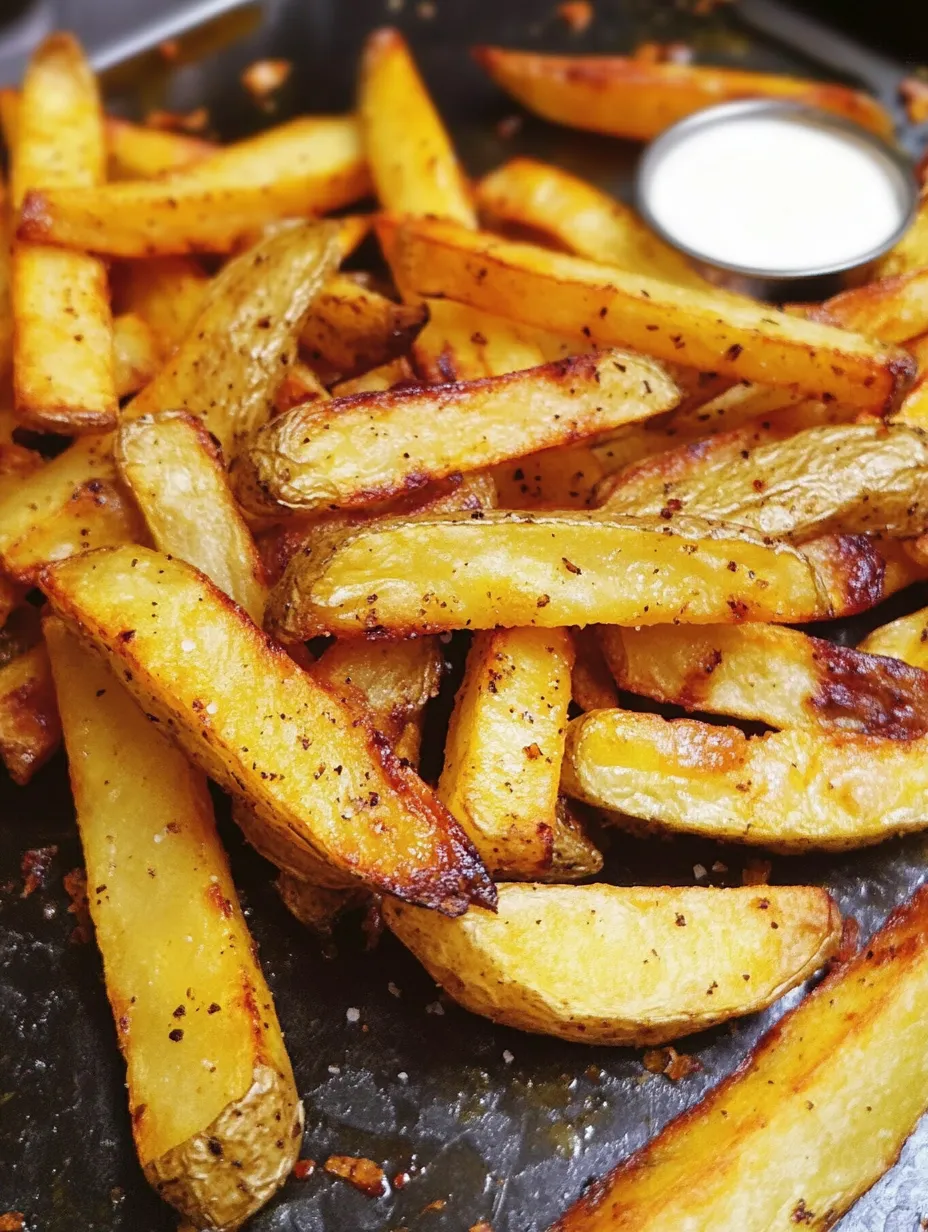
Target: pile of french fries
[(285, 489)]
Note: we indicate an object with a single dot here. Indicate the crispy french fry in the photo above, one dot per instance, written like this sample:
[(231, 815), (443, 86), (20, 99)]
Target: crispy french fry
[(30, 730), (304, 774), (375, 446), (503, 754), (412, 160), (299, 386), (554, 479), (308, 166), (859, 571), (709, 330), (227, 367), (461, 344), (629, 97), (167, 293), (788, 790), (905, 639), (892, 309), (193, 1018), (914, 406), (911, 253), (779, 676), (135, 354), (63, 376), (545, 569), (351, 328), (581, 218), (655, 952), (173, 468), (807, 1124), (380, 379), (846, 478), (592, 686), (139, 153)]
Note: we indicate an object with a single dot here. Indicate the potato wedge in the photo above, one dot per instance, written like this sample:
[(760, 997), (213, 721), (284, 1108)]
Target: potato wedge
[(581, 218), (668, 961), (890, 309), (771, 674), (379, 379), (914, 406), (911, 253), (139, 153), (167, 293), (316, 906), (544, 569), (304, 774), (308, 166), (30, 730), (905, 639), (193, 1018), (461, 344), (859, 571), (789, 790), (504, 750), (841, 478), (592, 686), (174, 470), (709, 330), (373, 446), (629, 97), (299, 386), (63, 377), (412, 160), (351, 329), (136, 358), (227, 367), (563, 478), (808, 1123)]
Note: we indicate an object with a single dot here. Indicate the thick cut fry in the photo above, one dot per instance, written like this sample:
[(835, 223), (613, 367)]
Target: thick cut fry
[(380, 379), (905, 639), (844, 478), (237, 348), (30, 730), (462, 344), (554, 479), (299, 386), (265, 729), (167, 293), (664, 961), (789, 790), (63, 376), (581, 218), (6, 289), (172, 467), (629, 97), (308, 166), (859, 571), (191, 1018), (807, 1124), (504, 750), (412, 160), (892, 309), (316, 906), (914, 406), (405, 577), (709, 330), (135, 354), (911, 253), (139, 153), (592, 686), (778, 676), (351, 328), (373, 446)]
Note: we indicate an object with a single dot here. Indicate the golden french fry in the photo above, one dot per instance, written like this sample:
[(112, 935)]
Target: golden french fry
[(553, 479), (911, 253), (238, 346), (139, 153), (304, 774), (135, 354), (654, 951), (30, 730), (591, 684), (628, 97), (63, 376), (859, 571), (905, 639), (412, 160), (378, 445), (461, 344), (167, 293), (788, 790), (709, 330), (6, 287), (299, 386), (174, 470), (308, 166), (778, 676), (892, 309), (380, 379), (193, 1018), (544, 569), (808, 1123), (914, 406)]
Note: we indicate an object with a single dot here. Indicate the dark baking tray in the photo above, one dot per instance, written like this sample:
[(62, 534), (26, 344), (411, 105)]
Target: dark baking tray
[(497, 1125)]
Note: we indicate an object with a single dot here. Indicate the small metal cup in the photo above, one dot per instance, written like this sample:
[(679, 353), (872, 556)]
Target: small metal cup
[(812, 284)]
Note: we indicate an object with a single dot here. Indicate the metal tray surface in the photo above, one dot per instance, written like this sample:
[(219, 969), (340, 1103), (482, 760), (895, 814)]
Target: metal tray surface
[(494, 1124)]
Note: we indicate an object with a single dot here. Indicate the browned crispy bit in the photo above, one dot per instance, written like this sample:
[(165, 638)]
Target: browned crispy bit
[(362, 1173)]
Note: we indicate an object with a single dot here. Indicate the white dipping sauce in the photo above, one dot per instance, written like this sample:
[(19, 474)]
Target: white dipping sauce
[(775, 194)]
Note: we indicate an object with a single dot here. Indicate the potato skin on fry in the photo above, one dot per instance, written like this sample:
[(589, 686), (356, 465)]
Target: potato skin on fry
[(667, 961), (30, 729)]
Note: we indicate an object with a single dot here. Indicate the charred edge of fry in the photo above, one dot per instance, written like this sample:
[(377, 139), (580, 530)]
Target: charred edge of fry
[(34, 728), (874, 690)]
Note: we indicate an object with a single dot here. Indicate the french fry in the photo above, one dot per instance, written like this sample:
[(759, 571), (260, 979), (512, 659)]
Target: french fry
[(546, 569), (316, 906), (892, 309), (351, 329), (380, 379), (173, 468), (462, 344), (167, 293), (305, 774), (6, 287), (374, 446), (709, 330), (592, 686), (581, 218), (412, 161), (227, 367), (775, 675), (789, 790), (135, 355), (846, 478), (503, 755), (308, 166), (139, 153), (911, 253), (807, 1123), (554, 479), (30, 730), (914, 406), (629, 97), (299, 386), (193, 1018), (859, 571), (63, 376), (905, 639), (654, 951)]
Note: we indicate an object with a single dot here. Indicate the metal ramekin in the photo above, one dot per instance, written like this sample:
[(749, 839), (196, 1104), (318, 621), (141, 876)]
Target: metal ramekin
[(797, 284)]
